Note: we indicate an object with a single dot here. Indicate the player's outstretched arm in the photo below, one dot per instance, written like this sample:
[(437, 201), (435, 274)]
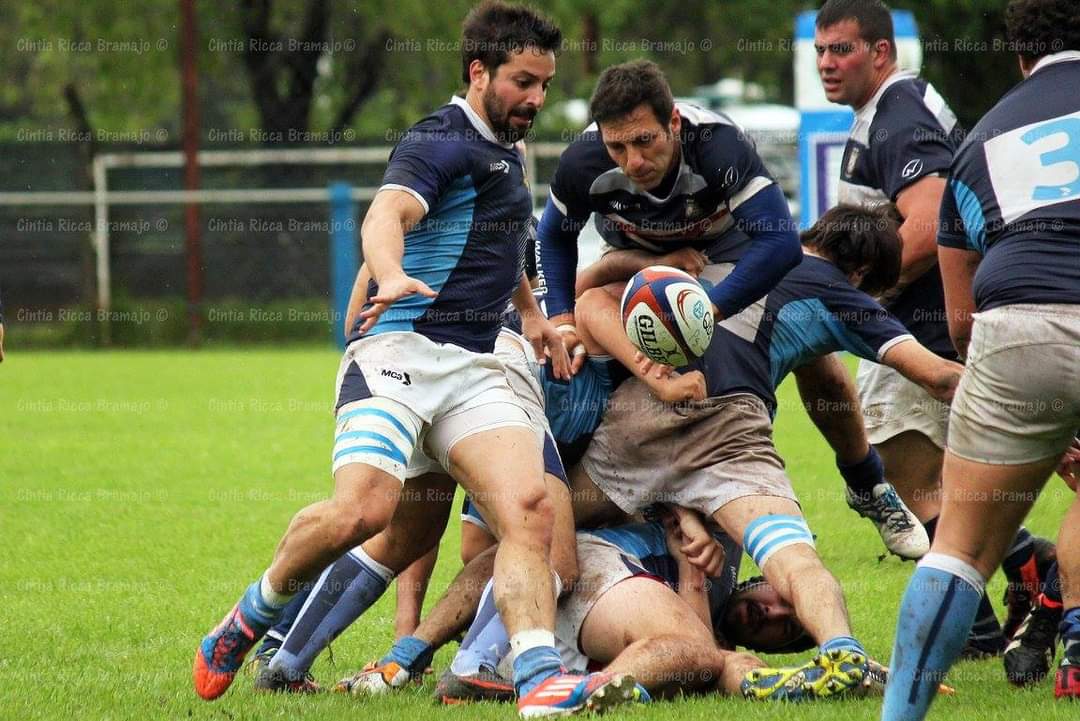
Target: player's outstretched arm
[(919, 365), (391, 215)]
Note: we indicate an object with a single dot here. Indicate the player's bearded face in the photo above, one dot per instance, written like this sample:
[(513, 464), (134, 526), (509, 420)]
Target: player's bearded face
[(515, 93), (510, 122)]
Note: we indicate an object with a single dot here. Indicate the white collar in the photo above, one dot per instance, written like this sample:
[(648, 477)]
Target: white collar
[(1062, 57), (477, 122), (896, 76)]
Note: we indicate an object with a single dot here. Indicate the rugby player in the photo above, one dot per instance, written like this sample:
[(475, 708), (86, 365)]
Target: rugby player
[(418, 386), (673, 183), (898, 151), (1009, 249), (717, 457)]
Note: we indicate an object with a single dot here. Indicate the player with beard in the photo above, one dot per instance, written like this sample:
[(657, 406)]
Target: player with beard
[(419, 389)]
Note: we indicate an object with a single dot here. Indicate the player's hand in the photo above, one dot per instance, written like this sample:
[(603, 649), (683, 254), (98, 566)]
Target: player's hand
[(678, 387), (546, 342), (573, 346), (392, 289), (688, 259), (695, 543), (647, 365), (1069, 469)]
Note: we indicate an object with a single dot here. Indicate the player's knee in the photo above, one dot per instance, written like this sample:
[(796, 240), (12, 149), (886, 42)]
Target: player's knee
[(355, 524), (531, 516)]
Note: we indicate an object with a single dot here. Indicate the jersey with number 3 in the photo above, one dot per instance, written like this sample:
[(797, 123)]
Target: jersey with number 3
[(1014, 191)]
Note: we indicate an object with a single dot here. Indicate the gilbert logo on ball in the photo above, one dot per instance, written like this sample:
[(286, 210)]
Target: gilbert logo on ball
[(667, 315)]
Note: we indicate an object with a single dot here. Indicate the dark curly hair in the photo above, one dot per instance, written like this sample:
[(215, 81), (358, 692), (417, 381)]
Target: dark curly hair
[(1035, 28), (856, 239), (622, 88), (493, 30)]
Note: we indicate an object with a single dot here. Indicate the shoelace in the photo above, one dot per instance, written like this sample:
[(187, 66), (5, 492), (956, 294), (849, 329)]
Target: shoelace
[(1040, 630), (887, 508)]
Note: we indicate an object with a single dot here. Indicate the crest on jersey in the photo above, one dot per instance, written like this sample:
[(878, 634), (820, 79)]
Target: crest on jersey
[(500, 166), (853, 158)]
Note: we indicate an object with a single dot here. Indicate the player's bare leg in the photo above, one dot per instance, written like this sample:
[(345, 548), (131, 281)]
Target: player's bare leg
[(474, 541), (364, 500), (796, 571), (776, 536), (913, 465), (983, 505), (412, 584)]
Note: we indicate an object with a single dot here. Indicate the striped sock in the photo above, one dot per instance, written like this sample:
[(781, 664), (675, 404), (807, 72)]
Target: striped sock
[(341, 595)]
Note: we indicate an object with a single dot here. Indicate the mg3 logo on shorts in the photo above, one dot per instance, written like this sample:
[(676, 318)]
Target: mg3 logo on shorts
[(398, 376)]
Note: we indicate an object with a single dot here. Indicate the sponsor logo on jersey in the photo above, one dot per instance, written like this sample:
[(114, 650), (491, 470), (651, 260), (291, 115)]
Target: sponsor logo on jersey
[(912, 169), (398, 376), (500, 166)]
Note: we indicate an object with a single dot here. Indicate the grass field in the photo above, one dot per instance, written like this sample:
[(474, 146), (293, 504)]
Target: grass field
[(140, 492)]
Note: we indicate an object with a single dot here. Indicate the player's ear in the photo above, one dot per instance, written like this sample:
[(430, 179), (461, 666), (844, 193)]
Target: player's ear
[(675, 124), (478, 74), (883, 53)]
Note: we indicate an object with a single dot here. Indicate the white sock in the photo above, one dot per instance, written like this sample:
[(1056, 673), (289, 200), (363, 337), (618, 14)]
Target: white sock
[(533, 638), (270, 597)]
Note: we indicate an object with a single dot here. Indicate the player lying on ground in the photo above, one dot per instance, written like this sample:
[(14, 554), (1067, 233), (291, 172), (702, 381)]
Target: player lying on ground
[(673, 183), (1009, 240), (717, 457)]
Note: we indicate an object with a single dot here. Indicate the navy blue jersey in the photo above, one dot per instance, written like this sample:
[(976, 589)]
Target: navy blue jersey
[(716, 198), (645, 547), (1014, 191), (904, 133), (813, 311), (469, 246), (718, 168)]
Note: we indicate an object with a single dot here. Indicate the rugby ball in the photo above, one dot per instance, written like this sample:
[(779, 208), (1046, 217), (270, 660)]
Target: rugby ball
[(667, 315)]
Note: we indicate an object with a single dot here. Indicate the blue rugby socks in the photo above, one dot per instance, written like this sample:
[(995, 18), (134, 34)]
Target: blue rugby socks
[(261, 605), (276, 635), (411, 653), (343, 592), (486, 642), (861, 477), (936, 614), (986, 633), (535, 659)]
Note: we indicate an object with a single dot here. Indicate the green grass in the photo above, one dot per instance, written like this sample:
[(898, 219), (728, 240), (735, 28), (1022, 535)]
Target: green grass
[(141, 491)]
